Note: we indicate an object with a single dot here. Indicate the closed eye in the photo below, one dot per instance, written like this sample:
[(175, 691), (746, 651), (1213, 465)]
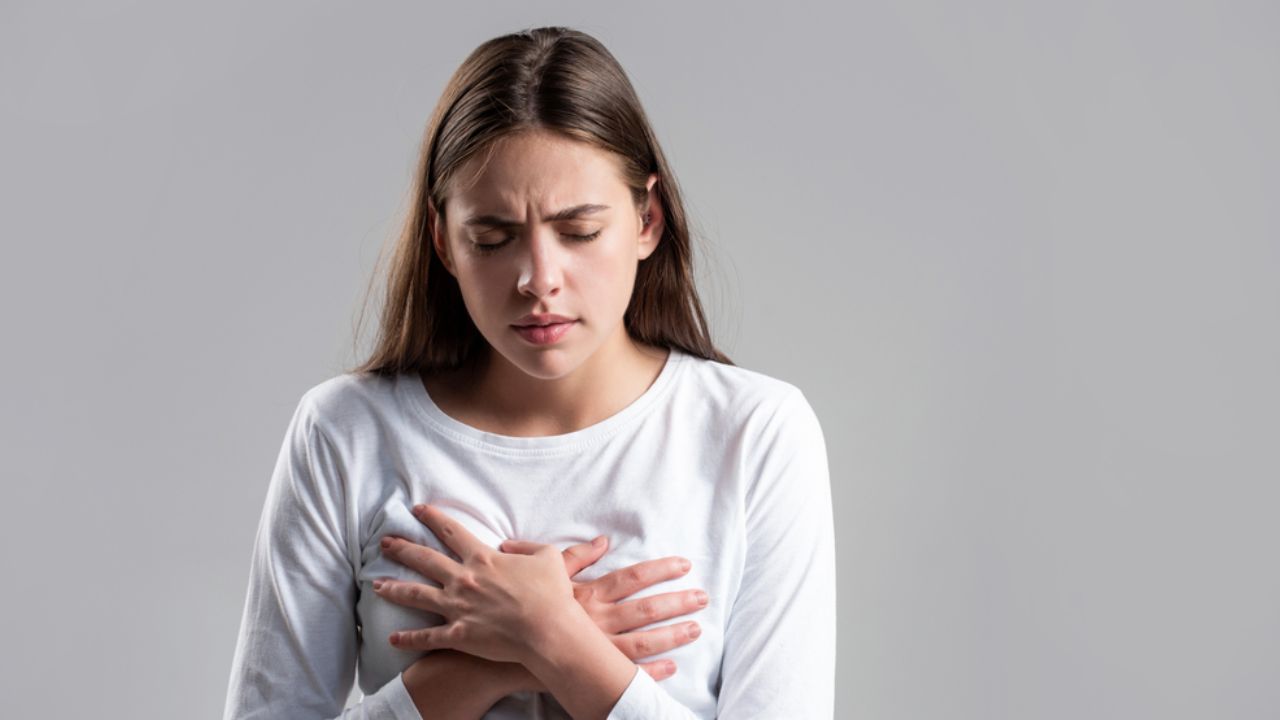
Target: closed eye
[(483, 248)]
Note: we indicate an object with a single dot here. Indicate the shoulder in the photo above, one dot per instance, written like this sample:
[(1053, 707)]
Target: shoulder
[(768, 423), (748, 398), (341, 404)]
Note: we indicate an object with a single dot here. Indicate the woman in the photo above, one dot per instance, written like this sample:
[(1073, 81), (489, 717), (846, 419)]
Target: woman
[(543, 376)]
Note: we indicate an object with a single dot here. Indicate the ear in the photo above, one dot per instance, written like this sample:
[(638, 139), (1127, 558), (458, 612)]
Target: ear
[(651, 233), (438, 239)]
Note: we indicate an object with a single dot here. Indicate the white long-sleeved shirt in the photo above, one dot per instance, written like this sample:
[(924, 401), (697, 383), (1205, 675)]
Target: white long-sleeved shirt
[(715, 463)]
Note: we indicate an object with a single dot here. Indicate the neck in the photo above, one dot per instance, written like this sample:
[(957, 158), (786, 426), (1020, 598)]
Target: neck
[(504, 396)]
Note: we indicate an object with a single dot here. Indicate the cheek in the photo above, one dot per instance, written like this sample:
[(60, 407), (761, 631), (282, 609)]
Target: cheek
[(482, 286), (606, 281)]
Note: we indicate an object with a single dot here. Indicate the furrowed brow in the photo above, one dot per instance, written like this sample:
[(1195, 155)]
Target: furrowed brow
[(498, 221)]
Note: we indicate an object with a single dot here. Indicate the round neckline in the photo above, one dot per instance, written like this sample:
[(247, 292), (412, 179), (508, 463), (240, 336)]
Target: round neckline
[(415, 393)]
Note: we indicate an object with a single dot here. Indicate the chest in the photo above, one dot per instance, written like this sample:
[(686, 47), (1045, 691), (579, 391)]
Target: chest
[(652, 500)]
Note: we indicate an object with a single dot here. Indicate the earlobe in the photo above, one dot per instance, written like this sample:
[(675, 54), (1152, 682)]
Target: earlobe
[(651, 235), (439, 242), (652, 221)]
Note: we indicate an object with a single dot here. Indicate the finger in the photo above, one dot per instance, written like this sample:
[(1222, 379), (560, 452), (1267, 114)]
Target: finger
[(583, 555), (429, 562), (432, 638), (450, 531), (647, 643), (411, 594), (660, 669), (638, 613), (629, 580), (521, 547)]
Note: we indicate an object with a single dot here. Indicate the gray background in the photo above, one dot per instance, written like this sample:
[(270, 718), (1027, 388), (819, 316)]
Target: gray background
[(1022, 260)]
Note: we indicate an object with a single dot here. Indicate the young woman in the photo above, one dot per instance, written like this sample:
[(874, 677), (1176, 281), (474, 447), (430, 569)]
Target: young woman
[(543, 376)]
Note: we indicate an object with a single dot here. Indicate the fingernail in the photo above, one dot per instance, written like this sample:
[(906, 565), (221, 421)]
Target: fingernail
[(694, 630), (377, 584), (685, 565), (671, 667), (419, 509), (395, 638), (598, 542), (702, 597)]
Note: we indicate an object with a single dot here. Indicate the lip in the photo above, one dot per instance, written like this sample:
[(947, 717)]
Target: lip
[(545, 334), (541, 319)]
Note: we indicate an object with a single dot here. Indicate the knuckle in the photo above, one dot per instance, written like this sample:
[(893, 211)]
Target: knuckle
[(633, 575), (461, 606), (607, 620), (648, 609), (643, 646), (467, 582), (583, 592)]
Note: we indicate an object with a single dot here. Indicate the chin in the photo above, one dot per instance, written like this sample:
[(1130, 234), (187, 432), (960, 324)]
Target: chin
[(549, 363)]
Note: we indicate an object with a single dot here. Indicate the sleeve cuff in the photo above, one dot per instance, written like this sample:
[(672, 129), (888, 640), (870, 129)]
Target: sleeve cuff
[(391, 702), (639, 701)]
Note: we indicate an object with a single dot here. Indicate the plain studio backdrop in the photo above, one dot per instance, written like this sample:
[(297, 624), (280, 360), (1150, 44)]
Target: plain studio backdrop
[(1023, 259)]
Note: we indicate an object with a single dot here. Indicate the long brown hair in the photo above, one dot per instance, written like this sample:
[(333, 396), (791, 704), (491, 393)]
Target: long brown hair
[(551, 78)]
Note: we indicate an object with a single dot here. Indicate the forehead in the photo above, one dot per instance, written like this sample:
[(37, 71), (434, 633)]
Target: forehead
[(539, 168)]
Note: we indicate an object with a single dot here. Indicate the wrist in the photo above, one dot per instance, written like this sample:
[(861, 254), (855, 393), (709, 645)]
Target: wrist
[(559, 635), (503, 678), (578, 664), (447, 683)]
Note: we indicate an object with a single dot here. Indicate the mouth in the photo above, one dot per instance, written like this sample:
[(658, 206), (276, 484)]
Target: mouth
[(547, 334), (541, 320)]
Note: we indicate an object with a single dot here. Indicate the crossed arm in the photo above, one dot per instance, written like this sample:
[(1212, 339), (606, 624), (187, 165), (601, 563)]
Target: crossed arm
[(571, 645)]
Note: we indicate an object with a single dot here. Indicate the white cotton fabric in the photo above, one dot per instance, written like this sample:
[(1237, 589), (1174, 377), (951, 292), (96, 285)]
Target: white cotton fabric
[(715, 463)]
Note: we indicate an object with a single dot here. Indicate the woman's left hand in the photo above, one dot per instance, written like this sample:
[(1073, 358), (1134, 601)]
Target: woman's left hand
[(494, 603)]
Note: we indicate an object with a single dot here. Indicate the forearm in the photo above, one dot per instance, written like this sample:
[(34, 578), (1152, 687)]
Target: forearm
[(580, 666), (451, 685)]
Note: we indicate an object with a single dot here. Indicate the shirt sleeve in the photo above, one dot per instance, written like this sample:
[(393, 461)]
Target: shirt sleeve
[(295, 655), (780, 638)]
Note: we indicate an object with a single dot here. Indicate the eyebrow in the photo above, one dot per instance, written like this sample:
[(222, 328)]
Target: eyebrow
[(565, 214)]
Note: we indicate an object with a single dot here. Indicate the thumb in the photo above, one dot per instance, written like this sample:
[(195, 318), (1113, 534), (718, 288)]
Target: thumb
[(520, 547), (582, 555)]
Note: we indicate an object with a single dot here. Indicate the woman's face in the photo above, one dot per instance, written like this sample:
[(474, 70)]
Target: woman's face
[(547, 226)]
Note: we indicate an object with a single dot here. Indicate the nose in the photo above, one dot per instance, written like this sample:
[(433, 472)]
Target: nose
[(540, 268)]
